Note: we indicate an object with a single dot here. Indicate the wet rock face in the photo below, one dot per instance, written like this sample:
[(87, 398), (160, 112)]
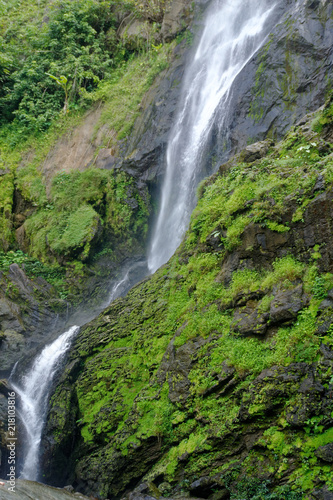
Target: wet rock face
[(26, 308), (286, 79), (144, 154), (29, 311)]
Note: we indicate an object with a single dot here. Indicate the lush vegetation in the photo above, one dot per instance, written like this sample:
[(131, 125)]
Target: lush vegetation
[(79, 205), (216, 365), (53, 55), (63, 39)]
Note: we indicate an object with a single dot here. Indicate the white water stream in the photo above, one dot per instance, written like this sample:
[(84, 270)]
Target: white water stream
[(234, 31), (34, 393), (34, 388)]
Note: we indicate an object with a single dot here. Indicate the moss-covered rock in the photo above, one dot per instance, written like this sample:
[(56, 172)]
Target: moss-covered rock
[(214, 375)]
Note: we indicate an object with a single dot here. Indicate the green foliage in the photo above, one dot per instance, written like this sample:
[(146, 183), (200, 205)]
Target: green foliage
[(274, 226), (256, 193), (123, 92), (285, 271), (65, 85), (6, 203), (71, 43), (66, 54), (319, 287), (323, 119), (6, 259), (56, 54), (79, 206), (64, 232), (285, 444), (55, 275), (186, 35), (30, 183), (166, 366), (244, 281)]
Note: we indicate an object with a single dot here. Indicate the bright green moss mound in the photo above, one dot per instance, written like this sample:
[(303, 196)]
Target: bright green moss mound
[(81, 205)]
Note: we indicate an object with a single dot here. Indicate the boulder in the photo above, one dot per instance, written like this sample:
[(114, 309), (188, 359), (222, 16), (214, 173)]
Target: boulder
[(325, 452), (286, 304)]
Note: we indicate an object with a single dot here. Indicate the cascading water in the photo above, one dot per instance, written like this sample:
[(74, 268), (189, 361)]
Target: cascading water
[(234, 31), (33, 396), (34, 390)]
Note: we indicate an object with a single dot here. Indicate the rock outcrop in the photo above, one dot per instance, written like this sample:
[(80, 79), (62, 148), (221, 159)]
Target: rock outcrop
[(29, 309), (30, 490), (213, 378)]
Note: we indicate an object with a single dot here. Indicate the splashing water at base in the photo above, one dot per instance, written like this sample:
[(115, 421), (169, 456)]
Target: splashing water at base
[(34, 394), (234, 31)]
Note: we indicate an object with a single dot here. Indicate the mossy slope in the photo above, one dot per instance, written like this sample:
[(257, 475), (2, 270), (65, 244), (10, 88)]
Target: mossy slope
[(214, 376)]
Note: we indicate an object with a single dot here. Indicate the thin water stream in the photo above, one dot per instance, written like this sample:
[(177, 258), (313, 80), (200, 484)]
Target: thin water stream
[(34, 387), (33, 394)]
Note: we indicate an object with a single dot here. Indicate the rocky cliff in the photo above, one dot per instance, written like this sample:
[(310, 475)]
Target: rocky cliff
[(213, 378), (215, 364)]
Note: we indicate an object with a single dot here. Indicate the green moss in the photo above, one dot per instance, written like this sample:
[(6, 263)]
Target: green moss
[(80, 205), (256, 109), (285, 270), (324, 119), (163, 370)]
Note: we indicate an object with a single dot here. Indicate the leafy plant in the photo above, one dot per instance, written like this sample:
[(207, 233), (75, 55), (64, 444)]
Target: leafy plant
[(65, 85), (319, 288)]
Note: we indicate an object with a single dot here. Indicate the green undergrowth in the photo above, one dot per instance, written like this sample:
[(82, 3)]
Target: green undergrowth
[(124, 350), (166, 371), (120, 111), (262, 192), (81, 205), (324, 119), (76, 62), (55, 275), (54, 55), (123, 93)]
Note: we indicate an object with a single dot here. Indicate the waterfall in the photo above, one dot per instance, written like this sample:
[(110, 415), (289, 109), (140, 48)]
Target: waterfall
[(33, 396), (234, 31)]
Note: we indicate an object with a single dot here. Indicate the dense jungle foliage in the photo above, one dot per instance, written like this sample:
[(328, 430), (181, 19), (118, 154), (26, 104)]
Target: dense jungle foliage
[(76, 42)]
